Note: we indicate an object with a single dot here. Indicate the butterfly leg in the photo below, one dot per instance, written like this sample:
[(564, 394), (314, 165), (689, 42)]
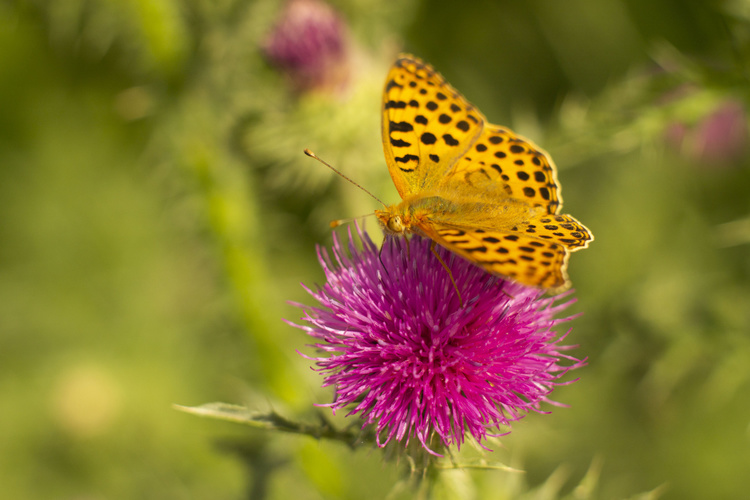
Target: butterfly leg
[(450, 274), (380, 258)]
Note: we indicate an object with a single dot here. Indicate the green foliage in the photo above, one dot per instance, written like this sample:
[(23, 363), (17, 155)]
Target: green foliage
[(157, 213)]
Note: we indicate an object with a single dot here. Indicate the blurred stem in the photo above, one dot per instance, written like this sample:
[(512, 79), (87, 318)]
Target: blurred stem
[(231, 204), (206, 112)]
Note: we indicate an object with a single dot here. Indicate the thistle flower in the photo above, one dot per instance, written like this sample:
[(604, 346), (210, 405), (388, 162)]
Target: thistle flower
[(403, 352)]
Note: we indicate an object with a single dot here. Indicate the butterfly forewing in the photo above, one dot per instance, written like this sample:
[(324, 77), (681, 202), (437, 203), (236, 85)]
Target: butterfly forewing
[(513, 165), (427, 125)]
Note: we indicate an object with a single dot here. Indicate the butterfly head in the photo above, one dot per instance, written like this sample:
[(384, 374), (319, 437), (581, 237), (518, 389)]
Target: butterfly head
[(392, 222)]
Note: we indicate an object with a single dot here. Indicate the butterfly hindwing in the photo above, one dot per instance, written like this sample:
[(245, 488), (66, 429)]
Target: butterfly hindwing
[(563, 229), (524, 171), (427, 125), (525, 259)]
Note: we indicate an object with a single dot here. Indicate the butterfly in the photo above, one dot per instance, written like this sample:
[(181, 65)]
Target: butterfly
[(477, 189)]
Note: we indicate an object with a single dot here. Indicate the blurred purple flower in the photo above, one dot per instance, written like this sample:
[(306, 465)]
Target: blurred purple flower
[(309, 43), (720, 137), (403, 353)]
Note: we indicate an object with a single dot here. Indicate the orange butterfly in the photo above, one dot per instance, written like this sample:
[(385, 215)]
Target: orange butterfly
[(474, 188)]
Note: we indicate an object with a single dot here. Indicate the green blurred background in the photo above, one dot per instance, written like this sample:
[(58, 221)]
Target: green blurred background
[(157, 213)]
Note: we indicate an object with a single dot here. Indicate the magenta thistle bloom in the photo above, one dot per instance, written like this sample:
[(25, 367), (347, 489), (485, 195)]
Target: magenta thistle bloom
[(404, 354)]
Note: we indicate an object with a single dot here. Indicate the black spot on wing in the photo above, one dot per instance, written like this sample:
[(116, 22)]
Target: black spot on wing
[(407, 158), (400, 127), (450, 140), (428, 138), (395, 105), (476, 249), (391, 84)]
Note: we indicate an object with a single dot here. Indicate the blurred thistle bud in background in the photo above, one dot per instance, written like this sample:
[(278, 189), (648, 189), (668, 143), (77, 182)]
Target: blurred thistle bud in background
[(329, 105), (719, 137), (309, 44)]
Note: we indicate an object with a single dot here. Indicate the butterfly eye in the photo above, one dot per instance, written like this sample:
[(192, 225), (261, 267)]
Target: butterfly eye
[(395, 224)]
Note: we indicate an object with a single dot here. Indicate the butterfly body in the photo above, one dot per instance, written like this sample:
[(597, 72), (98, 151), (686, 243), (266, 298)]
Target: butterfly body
[(418, 213), (478, 189)]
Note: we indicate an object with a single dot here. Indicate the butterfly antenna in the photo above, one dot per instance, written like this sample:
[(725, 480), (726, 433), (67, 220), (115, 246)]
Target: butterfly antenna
[(339, 222), (312, 155)]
